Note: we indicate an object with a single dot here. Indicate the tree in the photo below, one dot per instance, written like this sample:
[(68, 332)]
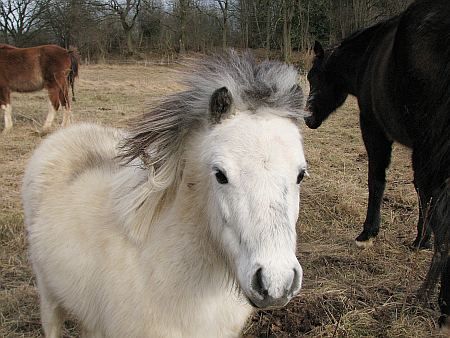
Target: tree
[(182, 10), (20, 20), (288, 13), (224, 7), (244, 19), (62, 17), (101, 27), (127, 12)]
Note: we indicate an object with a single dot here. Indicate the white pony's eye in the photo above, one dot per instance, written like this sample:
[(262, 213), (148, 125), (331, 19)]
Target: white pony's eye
[(301, 175), (220, 177)]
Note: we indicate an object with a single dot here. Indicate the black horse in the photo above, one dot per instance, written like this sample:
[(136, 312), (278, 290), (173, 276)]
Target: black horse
[(399, 70)]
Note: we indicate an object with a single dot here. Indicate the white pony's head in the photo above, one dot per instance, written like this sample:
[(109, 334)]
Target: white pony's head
[(240, 121), (255, 163)]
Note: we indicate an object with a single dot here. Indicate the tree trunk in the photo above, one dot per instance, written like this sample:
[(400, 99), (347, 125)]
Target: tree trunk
[(129, 40), (268, 27), (182, 39), (287, 27), (244, 22), (225, 25), (223, 4), (246, 25), (183, 19)]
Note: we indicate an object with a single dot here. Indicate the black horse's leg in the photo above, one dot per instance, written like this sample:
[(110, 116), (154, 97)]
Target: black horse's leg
[(422, 240), (379, 149)]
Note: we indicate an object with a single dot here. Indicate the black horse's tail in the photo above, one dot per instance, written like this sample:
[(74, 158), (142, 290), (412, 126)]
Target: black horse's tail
[(439, 216), (73, 73), (437, 213)]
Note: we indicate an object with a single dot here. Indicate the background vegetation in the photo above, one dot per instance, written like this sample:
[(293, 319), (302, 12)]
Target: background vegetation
[(105, 28)]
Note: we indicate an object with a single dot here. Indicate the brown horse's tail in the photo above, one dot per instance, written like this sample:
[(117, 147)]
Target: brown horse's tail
[(73, 73)]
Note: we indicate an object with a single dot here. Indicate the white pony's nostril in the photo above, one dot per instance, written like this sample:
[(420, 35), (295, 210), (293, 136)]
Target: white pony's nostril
[(258, 284), (273, 287), (295, 283)]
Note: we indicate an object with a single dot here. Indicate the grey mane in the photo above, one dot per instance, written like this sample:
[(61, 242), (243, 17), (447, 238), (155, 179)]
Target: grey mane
[(252, 85), (159, 134)]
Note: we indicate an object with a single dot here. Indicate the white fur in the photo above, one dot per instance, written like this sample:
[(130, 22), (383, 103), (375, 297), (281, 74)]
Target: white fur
[(8, 117), (130, 260), (50, 116), (67, 117), (364, 244)]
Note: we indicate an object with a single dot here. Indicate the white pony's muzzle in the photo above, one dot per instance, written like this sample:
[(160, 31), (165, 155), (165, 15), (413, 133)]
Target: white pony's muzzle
[(274, 285)]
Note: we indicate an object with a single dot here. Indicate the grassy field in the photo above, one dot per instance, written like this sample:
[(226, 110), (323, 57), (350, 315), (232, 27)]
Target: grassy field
[(347, 292)]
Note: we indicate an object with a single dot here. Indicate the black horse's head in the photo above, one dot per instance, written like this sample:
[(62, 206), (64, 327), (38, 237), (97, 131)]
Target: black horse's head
[(327, 92)]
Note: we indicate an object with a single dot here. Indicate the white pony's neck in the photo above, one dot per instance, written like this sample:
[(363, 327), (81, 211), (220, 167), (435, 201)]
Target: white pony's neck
[(143, 207), (136, 202), (174, 222), (146, 212)]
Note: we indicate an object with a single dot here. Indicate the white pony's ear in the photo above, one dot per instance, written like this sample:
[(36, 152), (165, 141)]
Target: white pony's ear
[(220, 105)]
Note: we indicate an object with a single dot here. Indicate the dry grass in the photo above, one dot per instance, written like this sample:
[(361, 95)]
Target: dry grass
[(347, 292)]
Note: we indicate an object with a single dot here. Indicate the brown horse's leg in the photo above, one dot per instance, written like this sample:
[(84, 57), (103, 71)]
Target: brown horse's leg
[(5, 105), (53, 95), (65, 101), (8, 117)]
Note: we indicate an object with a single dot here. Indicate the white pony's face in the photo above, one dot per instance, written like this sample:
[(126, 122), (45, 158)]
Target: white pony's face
[(256, 163)]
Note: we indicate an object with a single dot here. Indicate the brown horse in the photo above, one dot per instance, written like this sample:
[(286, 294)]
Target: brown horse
[(31, 69)]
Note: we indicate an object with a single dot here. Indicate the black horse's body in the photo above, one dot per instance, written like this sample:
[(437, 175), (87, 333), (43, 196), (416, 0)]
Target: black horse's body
[(399, 70)]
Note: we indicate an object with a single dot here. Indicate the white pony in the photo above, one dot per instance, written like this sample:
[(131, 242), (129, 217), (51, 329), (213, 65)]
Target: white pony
[(184, 224)]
